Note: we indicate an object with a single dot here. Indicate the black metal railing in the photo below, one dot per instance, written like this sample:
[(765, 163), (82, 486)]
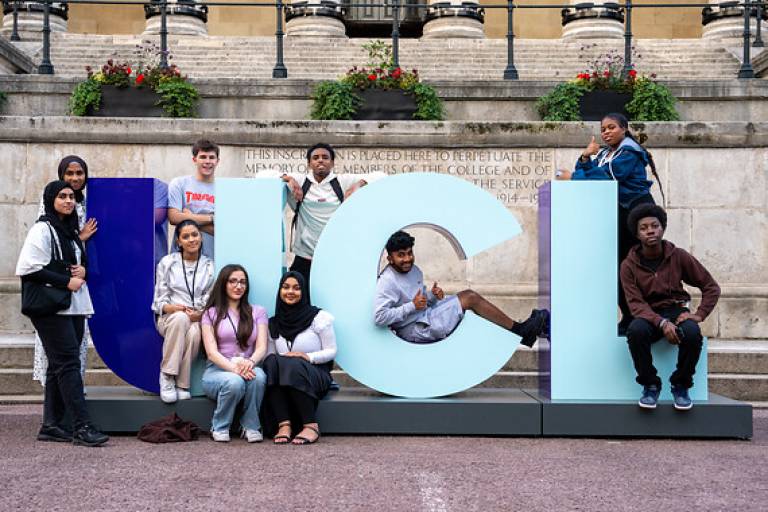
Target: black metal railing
[(750, 9)]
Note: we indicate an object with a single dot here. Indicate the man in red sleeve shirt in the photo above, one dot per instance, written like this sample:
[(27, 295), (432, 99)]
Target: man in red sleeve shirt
[(652, 275)]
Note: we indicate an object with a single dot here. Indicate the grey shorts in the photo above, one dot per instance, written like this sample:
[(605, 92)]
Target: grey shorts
[(440, 321)]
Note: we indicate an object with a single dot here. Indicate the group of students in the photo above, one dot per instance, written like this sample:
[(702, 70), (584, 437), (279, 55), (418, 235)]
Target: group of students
[(279, 367)]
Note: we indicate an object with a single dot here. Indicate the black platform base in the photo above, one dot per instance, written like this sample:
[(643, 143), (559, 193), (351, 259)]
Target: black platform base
[(718, 417), (489, 412)]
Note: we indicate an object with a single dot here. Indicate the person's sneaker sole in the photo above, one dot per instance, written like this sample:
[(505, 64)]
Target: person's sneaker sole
[(53, 439), (684, 407), (646, 406), (80, 442)]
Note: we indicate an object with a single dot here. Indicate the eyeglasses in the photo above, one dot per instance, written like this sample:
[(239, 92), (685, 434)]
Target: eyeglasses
[(236, 282)]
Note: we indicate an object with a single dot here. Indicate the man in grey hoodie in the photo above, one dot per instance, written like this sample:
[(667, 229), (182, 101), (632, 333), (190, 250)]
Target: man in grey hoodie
[(418, 315)]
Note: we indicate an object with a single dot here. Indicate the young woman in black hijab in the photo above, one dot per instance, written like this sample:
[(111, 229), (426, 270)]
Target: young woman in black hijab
[(56, 234), (302, 346)]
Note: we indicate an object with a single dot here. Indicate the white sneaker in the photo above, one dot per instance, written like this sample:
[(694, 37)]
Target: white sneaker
[(253, 436), (183, 394), (168, 388), (221, 436)]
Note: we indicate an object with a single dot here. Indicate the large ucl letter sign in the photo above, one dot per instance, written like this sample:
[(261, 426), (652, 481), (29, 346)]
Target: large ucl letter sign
[(586, 359)]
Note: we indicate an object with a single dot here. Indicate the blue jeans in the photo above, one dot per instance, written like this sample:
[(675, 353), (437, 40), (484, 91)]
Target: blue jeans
[(228, 389)]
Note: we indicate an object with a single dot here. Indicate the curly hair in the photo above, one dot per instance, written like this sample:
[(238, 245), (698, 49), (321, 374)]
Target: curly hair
[(644, 210)]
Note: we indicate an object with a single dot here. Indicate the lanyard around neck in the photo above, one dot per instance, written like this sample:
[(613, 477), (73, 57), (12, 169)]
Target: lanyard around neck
[(191, 291)]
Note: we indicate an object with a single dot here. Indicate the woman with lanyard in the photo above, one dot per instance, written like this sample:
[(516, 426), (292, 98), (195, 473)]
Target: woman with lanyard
[(74, 171), (55, 236), (623, 160), (182, 283), (235, 337), (302, 346)]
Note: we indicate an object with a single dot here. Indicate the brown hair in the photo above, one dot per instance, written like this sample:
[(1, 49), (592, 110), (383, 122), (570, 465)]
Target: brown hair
[(220, 302)]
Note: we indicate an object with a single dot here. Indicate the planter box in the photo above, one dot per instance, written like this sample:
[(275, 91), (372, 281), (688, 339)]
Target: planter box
[(594, 105), (385, 105), (127, 102)]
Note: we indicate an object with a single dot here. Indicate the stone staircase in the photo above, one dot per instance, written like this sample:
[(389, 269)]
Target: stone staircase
[(737, 369), (437, 60)]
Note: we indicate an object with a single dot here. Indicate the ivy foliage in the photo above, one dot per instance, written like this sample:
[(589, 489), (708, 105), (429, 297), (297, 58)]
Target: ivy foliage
[(652, 101), (85, 96), (334, 100), (178, 98), (562, 103), (429, 105)]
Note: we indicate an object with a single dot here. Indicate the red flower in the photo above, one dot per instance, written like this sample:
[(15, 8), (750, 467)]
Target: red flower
[(128, 70), (632, 73), (396, 73), (372, 77), (139, 78), (606, 73)]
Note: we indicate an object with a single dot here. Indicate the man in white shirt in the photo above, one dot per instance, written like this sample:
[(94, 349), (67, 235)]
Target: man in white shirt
[(314, 198), (192, 197)]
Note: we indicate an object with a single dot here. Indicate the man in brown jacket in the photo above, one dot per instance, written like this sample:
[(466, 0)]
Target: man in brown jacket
[(652, 275)]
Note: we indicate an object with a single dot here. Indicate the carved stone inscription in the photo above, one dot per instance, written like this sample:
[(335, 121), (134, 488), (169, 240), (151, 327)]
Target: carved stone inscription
[(513, 176)]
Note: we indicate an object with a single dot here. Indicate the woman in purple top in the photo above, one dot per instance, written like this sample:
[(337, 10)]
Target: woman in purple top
[(235, 339)]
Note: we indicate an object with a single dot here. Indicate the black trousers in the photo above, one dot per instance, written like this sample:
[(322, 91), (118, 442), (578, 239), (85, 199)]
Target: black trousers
[(61, 336), (286, 402), (303, 267), (627, 240), (641, 334)]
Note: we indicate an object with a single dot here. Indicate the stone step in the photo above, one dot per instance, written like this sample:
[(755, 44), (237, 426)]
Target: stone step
[(20, 382), (253, 57)]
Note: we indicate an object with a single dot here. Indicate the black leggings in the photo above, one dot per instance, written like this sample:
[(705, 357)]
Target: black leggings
[(61, 336), (285, 400)]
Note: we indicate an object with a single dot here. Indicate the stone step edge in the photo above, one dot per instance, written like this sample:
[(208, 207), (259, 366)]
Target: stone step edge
[(38, 399), (22, 340)]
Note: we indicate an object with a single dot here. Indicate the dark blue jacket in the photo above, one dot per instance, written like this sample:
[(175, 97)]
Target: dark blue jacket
[(627, 167)]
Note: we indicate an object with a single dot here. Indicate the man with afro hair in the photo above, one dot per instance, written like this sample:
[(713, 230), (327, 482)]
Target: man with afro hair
[(652, 275)]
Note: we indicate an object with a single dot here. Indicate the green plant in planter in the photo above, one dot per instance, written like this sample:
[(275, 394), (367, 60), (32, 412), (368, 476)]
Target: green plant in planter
[(178, 98), (651, 101), (85, 96), (3, 99), (562, 104), (335, 100)]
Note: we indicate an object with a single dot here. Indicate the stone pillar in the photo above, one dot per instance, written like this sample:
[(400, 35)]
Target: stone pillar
[(725, 21), (596, 20), (30, 20), (183, 17), (315, 18), (454, 19)]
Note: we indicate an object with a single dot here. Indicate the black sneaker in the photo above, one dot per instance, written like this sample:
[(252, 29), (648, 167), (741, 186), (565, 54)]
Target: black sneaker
[(54, 433), (532, 327), (89, 436)]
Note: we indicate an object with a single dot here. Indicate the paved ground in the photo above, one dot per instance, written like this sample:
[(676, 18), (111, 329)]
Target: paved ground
[(382, 473)]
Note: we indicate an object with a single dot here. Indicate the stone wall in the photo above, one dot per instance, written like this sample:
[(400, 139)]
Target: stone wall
[(715, 177), (710, 100)]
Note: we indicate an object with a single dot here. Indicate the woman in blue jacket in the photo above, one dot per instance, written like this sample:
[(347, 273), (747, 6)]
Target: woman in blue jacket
[(624, 160)]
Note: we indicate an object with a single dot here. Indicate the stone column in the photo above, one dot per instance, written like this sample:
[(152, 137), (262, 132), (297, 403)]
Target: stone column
[(183, 17), (30, 20), (454, 19), (596, 20), (315, 18), (725, 21)]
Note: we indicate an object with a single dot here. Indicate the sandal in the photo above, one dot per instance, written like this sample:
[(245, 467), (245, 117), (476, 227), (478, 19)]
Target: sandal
[(283, 439), (304, 440)]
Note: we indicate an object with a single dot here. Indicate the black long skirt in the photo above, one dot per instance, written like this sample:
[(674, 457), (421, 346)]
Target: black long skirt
[(294, 372)]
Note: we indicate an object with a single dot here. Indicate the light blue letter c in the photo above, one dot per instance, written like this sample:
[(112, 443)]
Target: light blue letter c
[(344, 281)]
